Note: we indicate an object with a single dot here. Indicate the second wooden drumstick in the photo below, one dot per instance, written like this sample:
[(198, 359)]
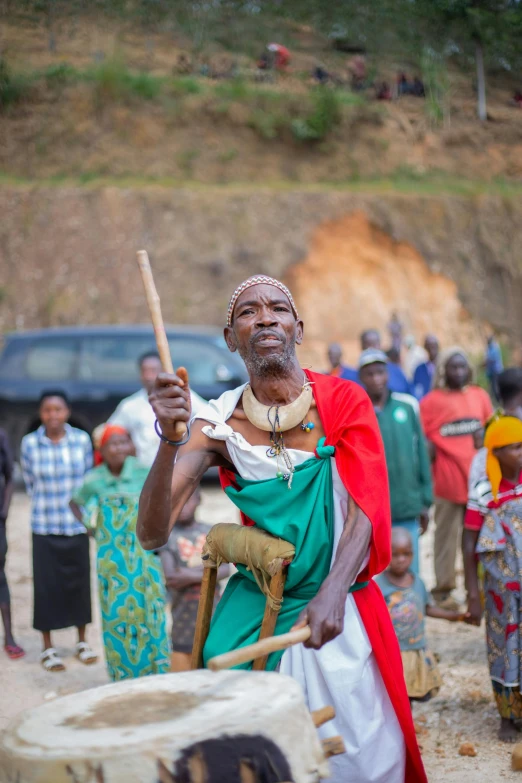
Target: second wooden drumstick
[(259, 649)]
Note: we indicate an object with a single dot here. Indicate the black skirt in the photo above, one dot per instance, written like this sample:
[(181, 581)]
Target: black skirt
[(61, 581)]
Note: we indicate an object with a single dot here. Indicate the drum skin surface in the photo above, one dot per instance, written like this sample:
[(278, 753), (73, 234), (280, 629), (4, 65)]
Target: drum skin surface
[(127, 731)]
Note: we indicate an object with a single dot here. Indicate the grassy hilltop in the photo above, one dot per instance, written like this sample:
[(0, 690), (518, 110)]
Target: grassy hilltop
[(166, 92)]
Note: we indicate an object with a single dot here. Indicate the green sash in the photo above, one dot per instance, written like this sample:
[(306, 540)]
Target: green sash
[(302, 515)]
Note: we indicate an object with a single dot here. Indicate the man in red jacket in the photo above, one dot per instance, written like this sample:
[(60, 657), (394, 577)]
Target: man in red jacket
[(264, 436)]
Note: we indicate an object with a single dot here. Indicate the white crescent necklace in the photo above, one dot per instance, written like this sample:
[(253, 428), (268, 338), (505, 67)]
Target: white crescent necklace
[(277, 419), (280, 418)]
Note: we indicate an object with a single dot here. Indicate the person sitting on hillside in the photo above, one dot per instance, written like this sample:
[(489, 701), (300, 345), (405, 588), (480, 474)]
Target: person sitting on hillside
[(403, 85), (321, 75), (383, 92), (418, 88), (183, 64), (276, 56), (357, 69), (265, 61)]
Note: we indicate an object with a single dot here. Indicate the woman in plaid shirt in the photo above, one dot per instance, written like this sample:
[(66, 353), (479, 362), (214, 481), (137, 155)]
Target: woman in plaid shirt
[(54, 461)]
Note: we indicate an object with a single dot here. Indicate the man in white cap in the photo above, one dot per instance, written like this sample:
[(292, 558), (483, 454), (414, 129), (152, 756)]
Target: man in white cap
[(409, 471)]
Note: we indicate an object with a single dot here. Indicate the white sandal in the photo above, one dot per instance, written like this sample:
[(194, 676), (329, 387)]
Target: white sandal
[(85, 653), (51, 661)]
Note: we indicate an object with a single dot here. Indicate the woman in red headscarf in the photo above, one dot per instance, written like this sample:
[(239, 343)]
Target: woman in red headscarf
[(133, 622)]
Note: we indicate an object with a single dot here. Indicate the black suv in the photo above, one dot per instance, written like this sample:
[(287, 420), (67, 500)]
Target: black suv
[(96, 366)]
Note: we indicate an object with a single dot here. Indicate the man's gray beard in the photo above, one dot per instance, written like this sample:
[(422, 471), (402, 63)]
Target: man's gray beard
[(278, 366)]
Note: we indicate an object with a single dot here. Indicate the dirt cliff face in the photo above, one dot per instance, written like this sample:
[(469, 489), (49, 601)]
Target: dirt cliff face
[(356, 275), (447, 264)]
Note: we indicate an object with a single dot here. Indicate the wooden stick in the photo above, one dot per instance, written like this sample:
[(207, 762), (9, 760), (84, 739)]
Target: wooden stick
[(205, 606), (264, 647), (164, 773), (154, 304), (333, 746), (277, 585), (323, 715)]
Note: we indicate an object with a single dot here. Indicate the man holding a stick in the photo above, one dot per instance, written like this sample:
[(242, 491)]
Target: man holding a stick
[(301, 456)]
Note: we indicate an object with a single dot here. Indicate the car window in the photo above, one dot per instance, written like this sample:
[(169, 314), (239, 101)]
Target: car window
[(52, 359), (113, 358), (13, 358), (205, 363)]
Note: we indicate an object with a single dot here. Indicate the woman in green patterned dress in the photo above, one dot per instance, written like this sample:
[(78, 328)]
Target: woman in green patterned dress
[(130, 580)]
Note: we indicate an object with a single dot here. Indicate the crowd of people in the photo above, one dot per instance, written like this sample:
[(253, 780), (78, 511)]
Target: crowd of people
[(447, 450), (78, 492), (448, 455)]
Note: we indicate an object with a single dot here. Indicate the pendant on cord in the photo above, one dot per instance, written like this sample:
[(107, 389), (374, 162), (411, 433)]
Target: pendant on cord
[(277, 449)]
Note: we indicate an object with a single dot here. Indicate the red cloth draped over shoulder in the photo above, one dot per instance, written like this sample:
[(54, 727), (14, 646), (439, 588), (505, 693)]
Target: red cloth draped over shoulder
[(351, 426)]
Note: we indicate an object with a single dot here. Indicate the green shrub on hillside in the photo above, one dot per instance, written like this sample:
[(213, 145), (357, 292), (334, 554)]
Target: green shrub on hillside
[(186, 85), (267, 124), (436, 83), (59, 75), (13, 86), (325, 115), (114, 82), (234, 90), (144, 85), (110, 81)]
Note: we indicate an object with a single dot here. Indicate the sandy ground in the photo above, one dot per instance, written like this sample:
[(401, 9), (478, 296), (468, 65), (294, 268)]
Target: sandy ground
[(463, 710)]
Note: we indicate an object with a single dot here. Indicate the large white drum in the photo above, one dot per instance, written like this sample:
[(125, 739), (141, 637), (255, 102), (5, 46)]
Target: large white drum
[(145, 730)]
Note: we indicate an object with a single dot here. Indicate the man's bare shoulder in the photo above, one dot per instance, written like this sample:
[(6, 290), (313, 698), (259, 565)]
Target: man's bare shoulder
[(201, 450), (199, 440)]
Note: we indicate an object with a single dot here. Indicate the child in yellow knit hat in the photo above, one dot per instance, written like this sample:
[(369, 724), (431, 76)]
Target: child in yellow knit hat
[(495, 534)]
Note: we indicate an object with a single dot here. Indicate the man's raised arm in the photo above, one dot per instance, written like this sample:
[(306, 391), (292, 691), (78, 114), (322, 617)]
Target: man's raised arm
[(176, 471)]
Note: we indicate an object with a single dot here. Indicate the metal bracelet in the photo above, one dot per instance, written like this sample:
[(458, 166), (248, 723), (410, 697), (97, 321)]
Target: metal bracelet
[(171, 442)]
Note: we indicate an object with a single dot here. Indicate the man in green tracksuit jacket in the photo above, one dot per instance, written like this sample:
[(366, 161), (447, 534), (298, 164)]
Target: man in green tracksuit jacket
[(409, 470)]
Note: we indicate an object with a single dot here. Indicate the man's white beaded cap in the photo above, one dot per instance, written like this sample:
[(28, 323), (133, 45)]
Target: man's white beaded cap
[(259, 280)]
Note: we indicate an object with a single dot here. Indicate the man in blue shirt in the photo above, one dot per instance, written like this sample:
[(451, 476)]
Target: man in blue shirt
[(370, 338), (337, 369), (423, 375)]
